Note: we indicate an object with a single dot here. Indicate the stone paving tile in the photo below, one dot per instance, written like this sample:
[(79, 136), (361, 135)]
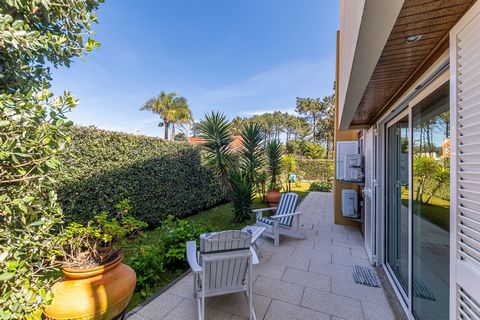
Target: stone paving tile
[(348, 288), (330, 269), (332, 304), (187, 310), (271, 270), (308, 279), (160, 307), (349, 261), (237, 304), (291, 262), (284, 311), (136, 316), (276, 289), (183, 288), (375, 311)]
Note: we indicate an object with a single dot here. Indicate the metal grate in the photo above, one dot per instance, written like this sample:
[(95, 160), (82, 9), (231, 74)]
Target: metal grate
[(365, 276)]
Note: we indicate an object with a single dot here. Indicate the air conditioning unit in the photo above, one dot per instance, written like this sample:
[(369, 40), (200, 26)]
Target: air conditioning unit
[(350, 203), (343, 148), (353, 170)]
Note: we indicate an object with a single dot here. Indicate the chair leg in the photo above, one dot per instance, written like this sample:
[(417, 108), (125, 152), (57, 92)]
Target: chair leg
[(276, 239)]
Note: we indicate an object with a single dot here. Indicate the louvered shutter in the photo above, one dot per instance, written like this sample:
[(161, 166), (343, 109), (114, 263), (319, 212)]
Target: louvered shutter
[(369, 195), (465, 166)]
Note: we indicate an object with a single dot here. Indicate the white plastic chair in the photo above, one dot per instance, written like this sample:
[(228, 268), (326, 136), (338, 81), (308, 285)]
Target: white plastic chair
[(282, 222), (222, 266)]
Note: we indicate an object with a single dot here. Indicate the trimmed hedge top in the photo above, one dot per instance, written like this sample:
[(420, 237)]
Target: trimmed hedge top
[(160, 178)]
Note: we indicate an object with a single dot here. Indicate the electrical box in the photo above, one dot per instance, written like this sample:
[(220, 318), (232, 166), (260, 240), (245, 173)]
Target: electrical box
[(353, 168), (343, 148), (350, 203)]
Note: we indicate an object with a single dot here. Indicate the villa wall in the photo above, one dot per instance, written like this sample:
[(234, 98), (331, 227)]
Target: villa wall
[(344, 135)]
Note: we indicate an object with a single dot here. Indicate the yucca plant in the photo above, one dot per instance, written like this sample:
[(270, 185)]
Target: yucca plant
[(274, 161), (237, 176), (215, 131), (251, 155), (242, 195)]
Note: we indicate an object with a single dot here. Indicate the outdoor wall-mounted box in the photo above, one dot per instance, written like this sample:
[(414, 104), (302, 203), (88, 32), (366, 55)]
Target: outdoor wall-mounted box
[(343, 148), (353, 168), (350, 203)]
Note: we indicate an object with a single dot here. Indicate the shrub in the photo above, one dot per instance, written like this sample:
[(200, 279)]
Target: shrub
[(316, 169), (35, 36), (324, 186), (160, 178), (176, 232), (99, 241), (162, 250), (148, 263)]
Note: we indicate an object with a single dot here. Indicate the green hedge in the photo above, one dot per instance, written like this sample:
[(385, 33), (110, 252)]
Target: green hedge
[(159, 178), (316, 169)]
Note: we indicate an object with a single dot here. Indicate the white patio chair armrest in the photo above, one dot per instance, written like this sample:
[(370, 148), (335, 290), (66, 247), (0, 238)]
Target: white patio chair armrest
[(254, 256), (258, 212), (264, 209), (192, 256), (284, 215)]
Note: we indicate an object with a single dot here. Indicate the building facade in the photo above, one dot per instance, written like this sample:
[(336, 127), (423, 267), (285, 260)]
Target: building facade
[(408, 98)]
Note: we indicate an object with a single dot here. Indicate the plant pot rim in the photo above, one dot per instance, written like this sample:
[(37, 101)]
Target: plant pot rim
[(73, 273), (276, 190)]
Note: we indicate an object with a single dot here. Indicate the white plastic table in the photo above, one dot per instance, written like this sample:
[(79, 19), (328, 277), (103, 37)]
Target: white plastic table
[(256, 232)]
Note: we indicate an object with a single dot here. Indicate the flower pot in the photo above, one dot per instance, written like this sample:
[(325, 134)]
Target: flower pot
[(273, 197), (99, 293)]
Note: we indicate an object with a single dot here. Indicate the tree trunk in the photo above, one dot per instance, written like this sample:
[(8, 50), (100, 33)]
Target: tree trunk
[(173, 131), (165, 124)]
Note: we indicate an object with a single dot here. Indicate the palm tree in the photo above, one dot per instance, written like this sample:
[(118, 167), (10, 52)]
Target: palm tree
[(171, 108), (180, 114)]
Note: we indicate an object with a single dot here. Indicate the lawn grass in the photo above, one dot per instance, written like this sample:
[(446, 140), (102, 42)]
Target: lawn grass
[(214, 219), (437, 211)]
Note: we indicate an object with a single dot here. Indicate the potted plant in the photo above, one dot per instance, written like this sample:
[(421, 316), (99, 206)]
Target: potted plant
[(96, 284), (274, 161)]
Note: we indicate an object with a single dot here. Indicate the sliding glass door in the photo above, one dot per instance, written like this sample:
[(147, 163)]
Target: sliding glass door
[(417, 208), (431, 206), (397, 225)]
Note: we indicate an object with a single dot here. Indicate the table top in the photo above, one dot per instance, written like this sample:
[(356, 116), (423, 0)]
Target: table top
[(255, 231)]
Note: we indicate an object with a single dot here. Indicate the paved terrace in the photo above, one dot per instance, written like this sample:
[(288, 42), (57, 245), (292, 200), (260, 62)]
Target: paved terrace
[(300, 279)]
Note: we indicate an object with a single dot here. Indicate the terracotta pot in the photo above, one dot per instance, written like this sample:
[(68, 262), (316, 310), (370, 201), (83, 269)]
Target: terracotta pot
[(99, 293), (273, 197)]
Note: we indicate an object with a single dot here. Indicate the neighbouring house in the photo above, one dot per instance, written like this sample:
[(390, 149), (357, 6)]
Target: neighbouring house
[(408, 114)]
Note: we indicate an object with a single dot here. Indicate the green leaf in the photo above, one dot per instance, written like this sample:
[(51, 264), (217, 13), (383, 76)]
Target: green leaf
[(4, 123), (6, 276)]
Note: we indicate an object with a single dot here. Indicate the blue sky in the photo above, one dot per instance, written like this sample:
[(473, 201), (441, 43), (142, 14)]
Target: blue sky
[(241, 57)]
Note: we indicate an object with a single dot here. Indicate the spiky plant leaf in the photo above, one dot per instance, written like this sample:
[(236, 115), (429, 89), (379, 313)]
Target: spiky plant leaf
[(274, 160), (215, 131), (242, 195), (252, 150)]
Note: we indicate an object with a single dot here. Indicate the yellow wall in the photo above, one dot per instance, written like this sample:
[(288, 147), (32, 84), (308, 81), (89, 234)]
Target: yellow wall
[(344, 135)]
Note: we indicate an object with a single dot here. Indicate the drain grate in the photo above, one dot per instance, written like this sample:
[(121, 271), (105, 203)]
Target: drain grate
[(420, 290), (365, 276)]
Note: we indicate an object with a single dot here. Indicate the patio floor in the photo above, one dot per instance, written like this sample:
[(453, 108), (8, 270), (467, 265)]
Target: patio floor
[(300, 279)]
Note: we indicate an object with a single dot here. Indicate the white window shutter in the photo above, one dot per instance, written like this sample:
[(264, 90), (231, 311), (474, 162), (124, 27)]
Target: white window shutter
[(369, 195), (465, 166)]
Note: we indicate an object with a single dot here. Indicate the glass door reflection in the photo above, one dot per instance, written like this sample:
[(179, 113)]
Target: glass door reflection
[(397, 187), (431, 206)]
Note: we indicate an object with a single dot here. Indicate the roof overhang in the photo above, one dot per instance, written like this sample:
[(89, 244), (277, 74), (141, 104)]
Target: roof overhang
[(377, 18), (378, 60)]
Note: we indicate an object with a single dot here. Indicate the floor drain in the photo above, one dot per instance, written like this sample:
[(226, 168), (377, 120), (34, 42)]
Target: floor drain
[(365, 276)]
